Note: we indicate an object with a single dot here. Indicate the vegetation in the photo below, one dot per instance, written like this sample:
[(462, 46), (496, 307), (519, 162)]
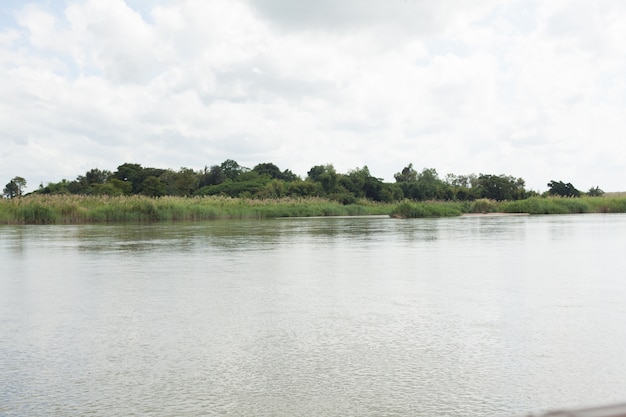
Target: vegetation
[(267, 181), (15, 188), (561, 189), (75, 209), (564, 205), (72, 209), (228, 190)]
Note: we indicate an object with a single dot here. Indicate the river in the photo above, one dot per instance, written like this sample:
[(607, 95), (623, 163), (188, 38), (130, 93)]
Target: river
[(469, 316)]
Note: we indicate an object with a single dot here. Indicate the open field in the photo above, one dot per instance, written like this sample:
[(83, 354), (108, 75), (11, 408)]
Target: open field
[(73, 209)]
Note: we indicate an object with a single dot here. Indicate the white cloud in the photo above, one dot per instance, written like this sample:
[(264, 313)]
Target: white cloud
[(530, 89)]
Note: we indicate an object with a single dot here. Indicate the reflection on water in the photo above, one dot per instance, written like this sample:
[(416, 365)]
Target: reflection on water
[(462, 317)]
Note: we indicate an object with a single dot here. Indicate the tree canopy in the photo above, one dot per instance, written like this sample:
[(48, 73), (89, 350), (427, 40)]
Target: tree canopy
[(14, 188), (562, 189), (267, 180)]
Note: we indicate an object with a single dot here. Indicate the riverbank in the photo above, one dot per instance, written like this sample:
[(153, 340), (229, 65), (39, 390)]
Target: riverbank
[(74, 209)]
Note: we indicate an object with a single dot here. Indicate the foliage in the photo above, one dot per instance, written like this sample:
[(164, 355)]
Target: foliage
[(559, 188), (481, 193), (270, 170), (74, 209), (500, 187), (232, 169), (595, 192), (407, 174), (325, 175), (15, 187)]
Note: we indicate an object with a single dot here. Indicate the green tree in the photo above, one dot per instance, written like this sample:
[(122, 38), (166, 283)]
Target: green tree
[(55, 188), (595, 192), (113, 187), (269, 169), (289, 176), (407, 174), (299, 188), (15, 187), (97, 176), (133, 173), (430, 187), (212, 176), (500, 187), (562, 189), (186, 182), (232, 169), (325, 175), (153, 187), (425, 185), (361, 184)]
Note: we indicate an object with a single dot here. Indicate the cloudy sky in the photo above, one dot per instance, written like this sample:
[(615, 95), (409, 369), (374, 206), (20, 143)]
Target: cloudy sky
[(533, 89)]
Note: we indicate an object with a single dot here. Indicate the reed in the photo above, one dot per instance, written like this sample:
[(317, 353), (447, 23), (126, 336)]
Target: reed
[(75, 209), (410, 209), (565, 205)]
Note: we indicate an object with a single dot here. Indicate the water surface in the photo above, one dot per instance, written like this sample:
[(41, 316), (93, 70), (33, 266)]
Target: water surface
[(482, 316)]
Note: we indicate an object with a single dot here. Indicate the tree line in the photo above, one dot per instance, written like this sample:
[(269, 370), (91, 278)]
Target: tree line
[(266, 180)]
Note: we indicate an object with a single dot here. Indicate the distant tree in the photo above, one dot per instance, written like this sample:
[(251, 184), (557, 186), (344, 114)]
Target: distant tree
[(325, 175), (186, 182), (391, 192), (361, 184), (113, 187), (269, 169), (429, 185), (425, 185), (212, 176), (15, 187), (133, 173), (153, 187), (315, 172), (355, 181), (91, 182), (97, 176), (407, 174), (247, 184), (458, 187), (299, 188), (500, 187), (289, 176), (458, 180), (595, 192), (232, 169), (562, 189), (273, 189), (55, 188), (168, 178)]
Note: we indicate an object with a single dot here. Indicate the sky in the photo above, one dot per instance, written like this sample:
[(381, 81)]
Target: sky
[(531, 89)]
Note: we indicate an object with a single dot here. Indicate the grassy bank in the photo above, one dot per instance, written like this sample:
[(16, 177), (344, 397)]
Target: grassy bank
[(560, 205), (533, 205), (72, 209)]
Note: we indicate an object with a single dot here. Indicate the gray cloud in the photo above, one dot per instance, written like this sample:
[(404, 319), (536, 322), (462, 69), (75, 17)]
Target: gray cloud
[(416, 16)]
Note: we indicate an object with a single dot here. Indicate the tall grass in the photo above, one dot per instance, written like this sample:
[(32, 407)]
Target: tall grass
[(565, 205), (73, 209), (410, 209)]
